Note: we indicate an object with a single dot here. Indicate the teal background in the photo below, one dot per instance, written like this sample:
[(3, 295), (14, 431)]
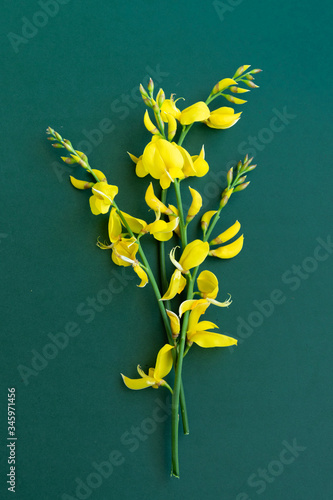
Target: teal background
[(244, 405)]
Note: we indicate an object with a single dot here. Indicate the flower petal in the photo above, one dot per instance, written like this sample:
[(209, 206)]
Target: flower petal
[(210, 339), (194, 254), (177, 285), (138, 383), (198, 112), (228, 251), (164, 362), (208, 284), (174, 322), (142, 275)]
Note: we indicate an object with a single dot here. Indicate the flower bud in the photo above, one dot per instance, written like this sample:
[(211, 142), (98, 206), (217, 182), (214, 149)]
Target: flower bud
[(222, 85), (241, 187), (160, 98), (150, 86), (238, 90), (233, 99), (242, 179), (241, 70), (143, 91), (149, 124), (256, 71), (230, 176), (251, 85)]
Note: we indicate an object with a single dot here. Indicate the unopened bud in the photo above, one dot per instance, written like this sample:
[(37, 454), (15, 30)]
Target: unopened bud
[(250, 167), (57, 145), (242, 179), (251, 85), (239, 165), (160, 98), (68, 160), (241, 70), (256, 71), (230, 176), (143, 91), (224, 201), (150, 86), (238, 90), (249, 77), (233, 99), (58, 136), (241, 187)]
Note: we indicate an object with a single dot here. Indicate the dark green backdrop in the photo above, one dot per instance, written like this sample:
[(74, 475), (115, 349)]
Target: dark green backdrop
[(260, 415)]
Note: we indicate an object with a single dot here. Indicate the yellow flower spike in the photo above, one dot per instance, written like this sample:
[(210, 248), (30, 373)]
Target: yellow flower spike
[(206, 218), (161, 230), (163, 161), (124, 252), (228, 251), (197, 331), (193, 255), (174, 323), (172, 126), (154, 203), (149, 124), (223, 118), (101, 177), (222, 85), (102, 198), (200, 165), (141, 273), (155, 378), (81, 184), (177, 285), (198, 112), (195, 205), (136, 225), (226, 235), (169, 107)]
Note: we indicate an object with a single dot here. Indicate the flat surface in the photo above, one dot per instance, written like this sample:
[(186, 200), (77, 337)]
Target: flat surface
[(260, 416)]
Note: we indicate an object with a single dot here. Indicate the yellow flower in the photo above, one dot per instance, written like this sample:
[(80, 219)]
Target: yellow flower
[(222, 118), (102, 198), (161, 230), (208, 286), (193, 255), (154, 203), (155, 375), (169, 107), (231, 250), (78, 184), (163, 161), (195, 205), (197, 331), (198, 112), (177, 285), (124, 252), (174, 214)]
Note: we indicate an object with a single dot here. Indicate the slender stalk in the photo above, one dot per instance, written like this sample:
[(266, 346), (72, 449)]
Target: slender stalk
[(177, 386), (182, 225)]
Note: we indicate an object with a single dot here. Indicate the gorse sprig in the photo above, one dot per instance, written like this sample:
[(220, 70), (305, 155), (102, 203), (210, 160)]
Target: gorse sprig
[(165, 160)]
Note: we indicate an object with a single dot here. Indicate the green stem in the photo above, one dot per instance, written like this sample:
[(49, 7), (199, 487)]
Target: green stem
[(177, 386), (182, 225)]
